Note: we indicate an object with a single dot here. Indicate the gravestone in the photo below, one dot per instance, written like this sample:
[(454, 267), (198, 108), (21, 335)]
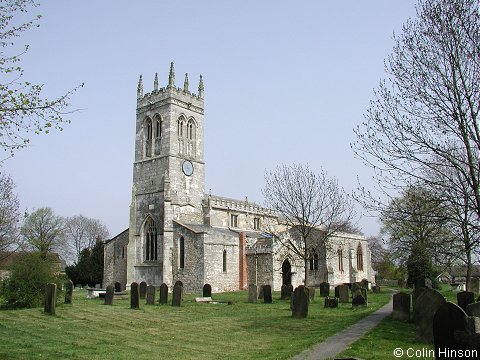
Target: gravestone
[(178, 282), (415, 295), (283, 292), (267, 294), (359, 301), (109, 295), (475, 285), (362, 292), (324, 289), (355, 286), (68, 292), (177, 295), (150, 295), (163, 294), (118, 287), (260, 292), (473, 309), (364, 283), (331, 302), (300, 302), (448, 319), (376, 289), (207, 290), (143, 289), (465, 298), (343, 294), (134, 296), (50, 298), (311, 293), (425, 308), (336, 291), (401, 306), (252, 293)]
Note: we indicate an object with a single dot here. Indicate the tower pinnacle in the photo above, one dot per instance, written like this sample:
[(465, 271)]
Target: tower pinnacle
[(171, 76), (200, 87), (185, 83), (140, 87), (155, 83)]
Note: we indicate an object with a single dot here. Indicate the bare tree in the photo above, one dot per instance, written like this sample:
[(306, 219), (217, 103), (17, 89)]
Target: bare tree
[(9, 217), (81, 233), (311, 206)]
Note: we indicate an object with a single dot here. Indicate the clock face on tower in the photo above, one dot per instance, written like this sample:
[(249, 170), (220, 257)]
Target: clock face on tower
[(187, 168)]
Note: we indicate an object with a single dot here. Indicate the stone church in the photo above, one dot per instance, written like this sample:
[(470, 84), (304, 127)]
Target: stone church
[(177, 232)]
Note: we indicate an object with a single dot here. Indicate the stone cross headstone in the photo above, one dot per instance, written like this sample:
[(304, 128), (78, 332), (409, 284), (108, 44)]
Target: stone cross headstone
[(311, 293), (343, 294), (50, 298), (267, 294), (118, 287), (401, 306), (207, 290), (448, 319), (163, 294), (475, 285), (324, 289), (252, 293), (150, 295), (134, 296), (300, 302), (68, 292), (143, 289), (426, 306), (465, 298), (473, 309), (331, 302), (359, 301), (260, 292), (177, 295), (109, 295)]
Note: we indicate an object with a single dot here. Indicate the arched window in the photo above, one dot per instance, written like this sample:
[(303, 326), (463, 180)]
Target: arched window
[(151, 236), (191, 134), (148, 137), (157, 123), (359, 258), (158, 128), (340, 260), (180, 123), (181, 259), (224, 260), (180, 133), (313, 260)]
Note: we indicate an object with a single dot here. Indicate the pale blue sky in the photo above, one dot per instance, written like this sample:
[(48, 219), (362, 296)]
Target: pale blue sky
[(284, 82)]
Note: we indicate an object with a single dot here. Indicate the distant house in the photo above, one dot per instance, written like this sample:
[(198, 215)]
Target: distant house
[(7, 259), (458, 274)]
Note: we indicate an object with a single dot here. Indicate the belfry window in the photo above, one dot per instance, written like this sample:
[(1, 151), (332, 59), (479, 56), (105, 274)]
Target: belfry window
[(151, 251), (181, 255), (191, 130), (148, 137), (233, 220), (359, 258), (256, 223), (158, 129)]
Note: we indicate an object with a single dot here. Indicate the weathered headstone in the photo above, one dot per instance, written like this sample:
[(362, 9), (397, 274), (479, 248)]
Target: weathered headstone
[(284, 295), (448, 319), (267, 294), (324, 289), (68, 292), (109, 295), (50, 298), (362, 292), (177, 295), (465, 298), (364, 283), (252, 293), (163, 294), (426, 306), (415, 295), (150, 295), (359, 301), (311, 293), (355, 286), (475, 285), (143, 289), (343, 294), (473, 309), (260, 292), (118, 287), (401, 306), (300, 302), (331, 302), (178, 282), (207, 290), (134, 296)]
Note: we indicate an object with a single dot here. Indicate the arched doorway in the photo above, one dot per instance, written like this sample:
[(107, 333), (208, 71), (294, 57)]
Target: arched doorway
[(286, 273)]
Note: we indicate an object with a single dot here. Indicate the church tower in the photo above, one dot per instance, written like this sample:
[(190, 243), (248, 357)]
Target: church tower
[(168, 176)]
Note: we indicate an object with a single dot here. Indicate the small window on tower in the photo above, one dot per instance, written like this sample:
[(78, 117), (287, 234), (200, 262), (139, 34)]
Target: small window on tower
[(233, 220)]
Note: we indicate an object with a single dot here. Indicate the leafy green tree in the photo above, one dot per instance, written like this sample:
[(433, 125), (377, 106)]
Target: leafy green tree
[(89, 268)]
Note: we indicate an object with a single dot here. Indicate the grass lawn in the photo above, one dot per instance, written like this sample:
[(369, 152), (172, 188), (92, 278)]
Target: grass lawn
[(90, 330)]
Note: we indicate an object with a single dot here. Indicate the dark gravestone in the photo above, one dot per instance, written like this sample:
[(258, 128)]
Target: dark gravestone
[(150, 295), (300, 302), (331, 302), (359, 301), (324, 289), (252, 293), (143, 289), (337, 291), (109, 295), (68, 292), (118, 287), (284, 295), (362, 292), (311, 293), (267, 294), (134, 296), (415, 295), (473, 309), (163, 294), (401, 306), (425, 308), (376, 289), (50, 298), (448, 319), (260, 292), (178, 282), (465, 298), (343, 294), (355, 286), (177, 295), (207, 290)]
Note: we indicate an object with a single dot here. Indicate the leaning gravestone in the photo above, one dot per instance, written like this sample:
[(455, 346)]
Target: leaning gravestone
[(207, 290), (109, 295), (134, 296), (260, 292), (68, 292), (401, 306), (163, 294), (425, 308), (267, 294), (177, 295), (324, 289), (331, 302), (50, 298), (473, 309), (311, 293), (150, 295), (447, 321), (252, 293), (343, 294), (359, 301), (118, 287), (465, 298), (300, 302), (143, 289)]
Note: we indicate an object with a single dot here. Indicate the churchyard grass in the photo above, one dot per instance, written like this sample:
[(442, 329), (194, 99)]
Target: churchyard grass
[(90, 330)]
